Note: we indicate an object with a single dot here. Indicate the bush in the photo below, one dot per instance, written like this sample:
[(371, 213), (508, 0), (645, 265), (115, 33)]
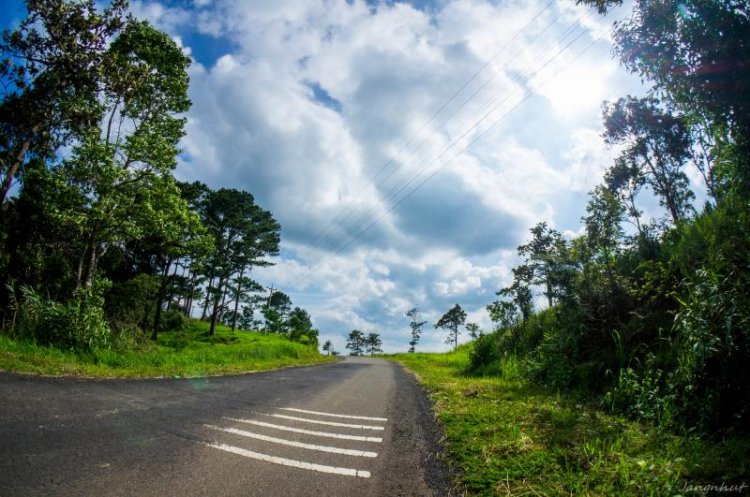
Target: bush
[(130, 303), (78, 324), (173, 321), (485, 356)]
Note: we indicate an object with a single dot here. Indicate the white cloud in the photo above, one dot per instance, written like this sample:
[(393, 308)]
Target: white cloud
[(312, 99)]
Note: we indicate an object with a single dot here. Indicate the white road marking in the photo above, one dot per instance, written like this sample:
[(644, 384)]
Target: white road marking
[(328, 423), (308, 432), (321, 448), (290, 462), (366, 418)]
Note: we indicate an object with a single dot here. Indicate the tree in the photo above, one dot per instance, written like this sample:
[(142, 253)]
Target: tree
[(416, 328), (450, 321), (503, 313), (372, 343), (244, 290), (355, 342), (52, 71), (519, 291), (328, 348), (658, 146), (474, 330), (243, 233), (300, 325), (117, 185), (625, 181), (543, 256), (275, 311), (603, 222)]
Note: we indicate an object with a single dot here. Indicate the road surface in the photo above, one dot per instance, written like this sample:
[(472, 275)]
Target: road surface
[(357, 427)]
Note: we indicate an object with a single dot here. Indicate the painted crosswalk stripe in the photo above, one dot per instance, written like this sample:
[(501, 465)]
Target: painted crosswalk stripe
[(331, 415), (290, 462), (280, 441), (308, 432), (327, 423)]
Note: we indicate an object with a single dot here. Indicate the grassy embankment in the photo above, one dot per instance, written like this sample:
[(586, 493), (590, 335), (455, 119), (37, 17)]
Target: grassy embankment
[(187, 353), (506, 436)]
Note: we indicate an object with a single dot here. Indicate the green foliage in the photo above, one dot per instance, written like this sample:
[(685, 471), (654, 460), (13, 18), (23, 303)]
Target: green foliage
[(372, 343), (450, 321), (131, 302), (356, 342), (173, 321), (77, 324), (191, 352), (508, 436), (485, 355), (415, 324)]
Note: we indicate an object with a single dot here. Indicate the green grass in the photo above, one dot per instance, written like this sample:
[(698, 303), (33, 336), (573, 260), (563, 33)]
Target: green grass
[(506, 436), (188, 353)]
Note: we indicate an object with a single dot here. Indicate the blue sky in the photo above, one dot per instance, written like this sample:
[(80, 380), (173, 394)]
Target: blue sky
[(322, 110)]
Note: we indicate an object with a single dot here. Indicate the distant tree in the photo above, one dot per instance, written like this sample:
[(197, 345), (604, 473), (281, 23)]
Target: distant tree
[(519, 292), (355, 342), (244, 290), (300, 327), (604, 214), (450, 321), (328, 347), (276, 311), (543, 258), (246, 320), (474, 330), (503, 314), (657, 148), (373, 343), (625, 181), (416, 328), (243, 234)]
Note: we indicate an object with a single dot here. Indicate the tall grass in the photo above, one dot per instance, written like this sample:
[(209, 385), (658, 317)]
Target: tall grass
[(508, 436)]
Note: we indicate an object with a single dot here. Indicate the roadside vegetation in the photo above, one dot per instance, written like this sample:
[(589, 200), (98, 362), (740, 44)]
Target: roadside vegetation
[(102, 250), (188, 352), (506, 435), (648, 315)]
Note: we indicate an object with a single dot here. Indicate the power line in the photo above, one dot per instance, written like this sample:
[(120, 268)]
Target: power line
[(390, 193), (398, 187), (473, 141), (455, 94)]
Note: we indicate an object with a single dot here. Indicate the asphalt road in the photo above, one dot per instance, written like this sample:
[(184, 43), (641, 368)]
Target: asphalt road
[(357, 427)]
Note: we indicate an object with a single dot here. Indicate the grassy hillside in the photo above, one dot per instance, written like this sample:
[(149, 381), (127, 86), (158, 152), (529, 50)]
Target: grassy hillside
[(186, 353), (506, 436)]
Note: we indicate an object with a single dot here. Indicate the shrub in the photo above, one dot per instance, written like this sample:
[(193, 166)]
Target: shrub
[(173, 321), (485, 355), (77, 324)]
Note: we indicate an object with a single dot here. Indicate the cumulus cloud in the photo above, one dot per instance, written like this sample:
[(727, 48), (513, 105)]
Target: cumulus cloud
[(405, 151)]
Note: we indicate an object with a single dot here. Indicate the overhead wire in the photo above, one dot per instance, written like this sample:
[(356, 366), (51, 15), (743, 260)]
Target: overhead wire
[(447, 119), (361, 229), (455, 94), (397, 187)]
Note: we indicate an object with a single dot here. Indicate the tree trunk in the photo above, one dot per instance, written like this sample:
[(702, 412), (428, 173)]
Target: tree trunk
[(237, 299), (79, 272), (93, 262), (170, 297), (215, 313), (160, 298), (191, 295), (208, 296), (8, 181)]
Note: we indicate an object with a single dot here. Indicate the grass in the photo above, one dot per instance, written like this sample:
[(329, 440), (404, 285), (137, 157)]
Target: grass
[(187, 353), (506, 436)]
